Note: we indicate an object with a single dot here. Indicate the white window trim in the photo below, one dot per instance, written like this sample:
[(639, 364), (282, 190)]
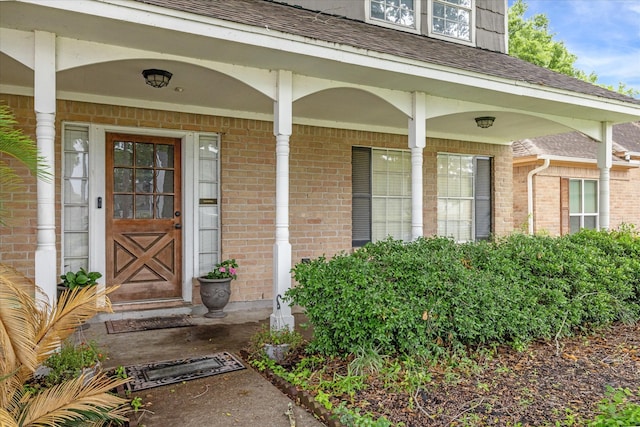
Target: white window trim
[(582, 214), (472, 26), (387, 24)]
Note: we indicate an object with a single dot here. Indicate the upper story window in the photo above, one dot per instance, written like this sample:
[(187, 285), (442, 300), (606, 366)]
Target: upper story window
[(395, 13), (452, 19)]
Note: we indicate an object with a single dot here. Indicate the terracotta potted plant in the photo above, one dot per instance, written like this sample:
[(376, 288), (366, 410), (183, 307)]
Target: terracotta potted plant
[(215, 287)]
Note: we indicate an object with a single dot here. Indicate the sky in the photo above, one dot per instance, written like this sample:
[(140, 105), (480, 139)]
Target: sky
[(603, 34)]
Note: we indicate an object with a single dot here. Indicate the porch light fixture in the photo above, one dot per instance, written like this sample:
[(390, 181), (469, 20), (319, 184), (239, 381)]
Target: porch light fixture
[(157, 78), (485, 122)]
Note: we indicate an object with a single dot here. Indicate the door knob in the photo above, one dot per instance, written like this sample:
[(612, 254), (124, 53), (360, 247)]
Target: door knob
[(178, 226)]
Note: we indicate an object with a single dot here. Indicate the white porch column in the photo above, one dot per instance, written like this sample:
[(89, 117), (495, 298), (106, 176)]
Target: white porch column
[(417, 141), (282, 125), (45, 109), (604, 163)]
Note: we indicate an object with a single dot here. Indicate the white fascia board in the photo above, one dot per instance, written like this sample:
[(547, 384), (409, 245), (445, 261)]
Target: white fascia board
[(583, 160), (155, 16), (167, 106)]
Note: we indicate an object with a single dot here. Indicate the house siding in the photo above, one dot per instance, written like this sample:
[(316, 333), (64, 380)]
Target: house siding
[(624, 196), (490, 23), (320, 186)]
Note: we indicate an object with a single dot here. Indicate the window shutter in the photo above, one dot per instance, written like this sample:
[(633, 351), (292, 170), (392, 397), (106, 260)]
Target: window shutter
[(360, 196), (483, 198), (565, 227)]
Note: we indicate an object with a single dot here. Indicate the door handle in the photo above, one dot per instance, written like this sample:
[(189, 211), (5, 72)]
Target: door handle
[(178, 226)]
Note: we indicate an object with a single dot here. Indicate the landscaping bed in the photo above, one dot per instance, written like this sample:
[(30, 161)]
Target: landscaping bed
[(522, 331)]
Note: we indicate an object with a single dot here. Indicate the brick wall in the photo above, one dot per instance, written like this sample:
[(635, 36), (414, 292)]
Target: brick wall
[(320, 186), (18, 235)]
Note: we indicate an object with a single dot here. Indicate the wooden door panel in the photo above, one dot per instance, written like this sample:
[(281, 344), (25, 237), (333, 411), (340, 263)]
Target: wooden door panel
[(143, 217)]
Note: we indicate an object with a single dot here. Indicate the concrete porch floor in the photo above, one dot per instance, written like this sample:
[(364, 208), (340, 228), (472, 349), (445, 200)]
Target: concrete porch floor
[(240, 398)]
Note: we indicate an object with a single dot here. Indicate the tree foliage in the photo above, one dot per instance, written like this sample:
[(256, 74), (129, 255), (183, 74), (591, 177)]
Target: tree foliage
[(531, 41)]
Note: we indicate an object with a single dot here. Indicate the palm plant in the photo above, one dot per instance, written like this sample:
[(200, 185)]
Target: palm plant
[(14, 143), (29, 332)]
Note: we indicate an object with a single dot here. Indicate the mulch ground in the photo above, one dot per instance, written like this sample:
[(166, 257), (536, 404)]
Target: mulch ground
[(549, 381)]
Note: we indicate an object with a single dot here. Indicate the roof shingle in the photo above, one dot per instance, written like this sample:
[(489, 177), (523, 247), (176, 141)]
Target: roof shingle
[(335, 29), (626, 138)]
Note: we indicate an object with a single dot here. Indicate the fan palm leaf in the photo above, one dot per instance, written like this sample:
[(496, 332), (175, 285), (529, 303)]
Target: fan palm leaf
[(72, 399), (29, 333), (74, 308)]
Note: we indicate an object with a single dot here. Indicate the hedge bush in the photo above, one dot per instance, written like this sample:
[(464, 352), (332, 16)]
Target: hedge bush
[(432, 294)]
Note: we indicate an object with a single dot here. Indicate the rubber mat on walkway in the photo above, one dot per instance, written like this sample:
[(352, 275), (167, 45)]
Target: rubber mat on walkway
[(176, 371), (145, 324)]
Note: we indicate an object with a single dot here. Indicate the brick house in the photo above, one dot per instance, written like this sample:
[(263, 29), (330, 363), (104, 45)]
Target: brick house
[(267, 132), (555, 181)]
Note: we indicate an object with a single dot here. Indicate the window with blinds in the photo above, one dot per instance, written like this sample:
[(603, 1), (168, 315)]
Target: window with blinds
[(464, 197), (381, 195)]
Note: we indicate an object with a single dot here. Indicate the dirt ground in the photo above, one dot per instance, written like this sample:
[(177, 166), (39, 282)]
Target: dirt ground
[(550, 381)]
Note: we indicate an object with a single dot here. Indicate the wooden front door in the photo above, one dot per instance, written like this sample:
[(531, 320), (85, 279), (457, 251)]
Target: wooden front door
[(143, 217)]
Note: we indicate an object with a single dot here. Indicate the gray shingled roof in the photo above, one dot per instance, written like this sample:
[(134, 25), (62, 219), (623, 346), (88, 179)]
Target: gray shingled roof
[(626, 137), (301, 22)]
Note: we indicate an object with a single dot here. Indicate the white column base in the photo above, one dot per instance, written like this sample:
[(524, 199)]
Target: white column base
[(46, 275), (282, 316)]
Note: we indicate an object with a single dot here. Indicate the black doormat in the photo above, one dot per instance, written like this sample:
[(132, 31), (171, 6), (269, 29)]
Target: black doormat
[(175, 371), (145, 324)]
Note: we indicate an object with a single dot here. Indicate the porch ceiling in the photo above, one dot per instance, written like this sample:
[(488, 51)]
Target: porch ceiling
[(205, 90)]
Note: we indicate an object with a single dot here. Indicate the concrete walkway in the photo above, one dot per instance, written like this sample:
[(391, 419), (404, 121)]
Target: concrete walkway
[(240, 398)]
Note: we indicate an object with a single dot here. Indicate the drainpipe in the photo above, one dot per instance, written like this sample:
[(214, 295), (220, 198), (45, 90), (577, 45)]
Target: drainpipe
[(530, 192)]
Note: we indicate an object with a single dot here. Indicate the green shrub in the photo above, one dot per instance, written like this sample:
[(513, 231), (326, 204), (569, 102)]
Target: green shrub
[(432, 294), (617, 409), (70, 361)]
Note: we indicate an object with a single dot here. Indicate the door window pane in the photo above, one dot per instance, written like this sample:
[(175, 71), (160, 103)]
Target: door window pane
[(76, 218), (76, 244), (164, 156), (76, 165), (144, 180), (164, 207), (76, 191), (164, 181), (122, 206), (123, 180), (123, 153), (144, 155), (144, 207)]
